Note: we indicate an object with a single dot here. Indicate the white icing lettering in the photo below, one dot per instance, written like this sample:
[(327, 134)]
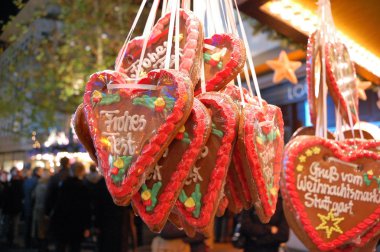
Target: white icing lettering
[(154, 60)]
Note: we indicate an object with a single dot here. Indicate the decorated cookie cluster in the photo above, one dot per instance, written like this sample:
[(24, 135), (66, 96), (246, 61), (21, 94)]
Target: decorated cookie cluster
[(164, 140)]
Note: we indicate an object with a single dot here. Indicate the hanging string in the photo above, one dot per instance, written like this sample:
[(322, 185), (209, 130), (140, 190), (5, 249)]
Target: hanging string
[(186, 4), (147, 31), (119, 59), (170, 36), (177, 39), (163, 10), (249, 56)]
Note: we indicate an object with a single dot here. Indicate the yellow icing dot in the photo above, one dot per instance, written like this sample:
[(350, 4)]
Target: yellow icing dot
[(146, 195), (216, 56), (96, 94), (273, 191), (180, 37), (278, 133), (309, 152), (316, 150), (189, 203), (259, 140), (299, 168), (302, 158), (101, 77), (370, 172), (105, 142), (119, 163), (159, 102), (182, 129), (143, 74)]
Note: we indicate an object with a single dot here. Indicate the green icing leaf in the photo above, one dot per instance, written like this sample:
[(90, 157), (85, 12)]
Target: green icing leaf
[(127, 161), (155, 189), (169, 102), (216, 132), (367, 181), (109, 99), (182, 196), (220, 65), (206, 57), (197, 198), (144, 100)]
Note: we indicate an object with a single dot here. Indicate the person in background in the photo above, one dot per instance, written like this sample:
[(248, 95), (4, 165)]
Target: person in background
[(29, 185), (39, 227), (93, 176), (171, 239), (264, 237), (13, 205), (70, 221), (54, 183), (114, 224), (3, 186)]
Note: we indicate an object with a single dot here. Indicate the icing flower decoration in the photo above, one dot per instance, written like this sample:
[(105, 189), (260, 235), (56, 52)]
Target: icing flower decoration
[(370, 174), (146, 197), (180, 37), (190, 204), (119, 163), (96, 96), (159, 104), (115, 171), (181, 133)]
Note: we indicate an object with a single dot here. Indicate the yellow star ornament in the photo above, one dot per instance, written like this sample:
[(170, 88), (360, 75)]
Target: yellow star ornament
[(284, 68), (330, 224), (361, 86)]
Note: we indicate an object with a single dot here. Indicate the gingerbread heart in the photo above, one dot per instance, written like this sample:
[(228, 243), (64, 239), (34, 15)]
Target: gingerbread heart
[(131, 126), (313, 74), (261, 142), (342, 80), (199, 200), (224, 57), (83, 131), (162, 187), (190, 48), (326, 192)]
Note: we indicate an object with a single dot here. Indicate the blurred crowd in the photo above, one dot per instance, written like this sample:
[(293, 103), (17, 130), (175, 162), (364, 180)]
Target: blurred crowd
[(70, 210)]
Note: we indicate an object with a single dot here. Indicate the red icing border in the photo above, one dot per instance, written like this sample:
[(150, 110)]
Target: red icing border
[(167, 198), (334, 89), (294, 148), (144, 163), (209, 201), (253, 159), (231, 69)]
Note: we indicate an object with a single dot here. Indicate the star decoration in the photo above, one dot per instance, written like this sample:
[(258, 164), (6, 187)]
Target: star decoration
[(302, 158), (361, 86), (299, 168), (333, 221), (284, 68), (309, 152), (316, 150)]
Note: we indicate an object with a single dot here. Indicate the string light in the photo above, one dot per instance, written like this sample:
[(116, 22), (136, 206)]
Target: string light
[(306, 22)]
